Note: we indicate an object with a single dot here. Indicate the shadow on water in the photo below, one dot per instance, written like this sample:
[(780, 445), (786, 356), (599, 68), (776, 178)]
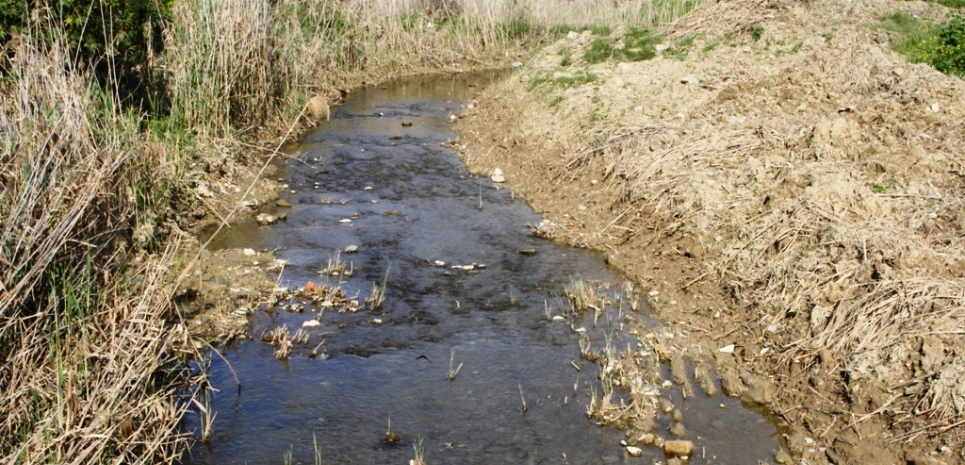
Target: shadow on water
[(411, 203)]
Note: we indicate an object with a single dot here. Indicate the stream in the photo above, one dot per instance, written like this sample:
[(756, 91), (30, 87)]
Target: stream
[(378, 177)]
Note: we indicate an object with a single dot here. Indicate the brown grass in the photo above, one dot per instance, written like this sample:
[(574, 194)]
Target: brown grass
[(90, 362)]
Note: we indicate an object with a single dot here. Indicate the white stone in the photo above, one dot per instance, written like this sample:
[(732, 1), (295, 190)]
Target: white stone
[(634, 451), (728, 349), (498, 176), (250, 252), (311, 324)]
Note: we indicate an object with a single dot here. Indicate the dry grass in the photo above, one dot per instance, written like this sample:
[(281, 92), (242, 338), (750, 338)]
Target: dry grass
[(90, 362)]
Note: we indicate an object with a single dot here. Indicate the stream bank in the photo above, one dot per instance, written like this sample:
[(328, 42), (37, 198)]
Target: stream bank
[(795, 215)]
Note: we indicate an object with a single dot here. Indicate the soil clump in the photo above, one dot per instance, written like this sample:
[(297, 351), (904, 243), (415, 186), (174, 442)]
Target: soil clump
[(788, 189)]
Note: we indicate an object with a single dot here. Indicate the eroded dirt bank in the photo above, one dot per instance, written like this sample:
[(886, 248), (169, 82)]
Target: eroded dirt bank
[(791, 194)]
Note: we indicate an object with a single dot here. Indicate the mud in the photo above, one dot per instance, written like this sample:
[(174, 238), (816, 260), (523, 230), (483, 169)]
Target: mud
[(791, 203)]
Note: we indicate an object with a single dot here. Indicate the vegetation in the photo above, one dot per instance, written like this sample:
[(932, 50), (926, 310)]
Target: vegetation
[(941, 46), (109, 109), (638, 45)]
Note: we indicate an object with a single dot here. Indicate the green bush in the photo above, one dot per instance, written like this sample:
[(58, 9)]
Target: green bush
[(114, 37), (941, 46)]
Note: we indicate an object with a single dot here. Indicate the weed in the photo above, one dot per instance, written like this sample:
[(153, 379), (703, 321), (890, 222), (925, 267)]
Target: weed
[(710, 46), (556, 100), (757, 31), (451, 374), (318, 452), (600, 50), (522, 398), (419, 452), (563, 81), (597, 30), (336, 267), (378, 292), (883, 188)]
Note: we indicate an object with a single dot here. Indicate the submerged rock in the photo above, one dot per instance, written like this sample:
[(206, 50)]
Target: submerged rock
[(265, 219), (679, 448)]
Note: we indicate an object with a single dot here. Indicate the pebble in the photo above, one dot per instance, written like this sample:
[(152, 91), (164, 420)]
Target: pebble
[(558, 318), (265, 219), (517, 64), (311, 324), (498, 176), (439, 263), (352, 249), (728, 349), (634, 451), (345, 220), (250, 252), (678, 448), (689, 80), (283, 203), (377, 321)]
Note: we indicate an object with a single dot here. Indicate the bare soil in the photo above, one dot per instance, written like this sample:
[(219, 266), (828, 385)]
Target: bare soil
[(792, 204)]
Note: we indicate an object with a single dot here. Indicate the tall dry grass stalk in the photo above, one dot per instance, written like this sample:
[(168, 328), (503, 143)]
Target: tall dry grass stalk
[(88, 369)]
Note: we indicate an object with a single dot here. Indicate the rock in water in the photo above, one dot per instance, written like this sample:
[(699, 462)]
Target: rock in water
[(634, 451), (265, 219), (679, 448)]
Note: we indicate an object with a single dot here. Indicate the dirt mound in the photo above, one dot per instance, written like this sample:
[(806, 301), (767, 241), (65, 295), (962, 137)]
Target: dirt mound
[(790, 186)]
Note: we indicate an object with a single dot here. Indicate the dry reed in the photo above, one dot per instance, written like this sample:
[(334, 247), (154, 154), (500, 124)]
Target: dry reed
[(90, 363)]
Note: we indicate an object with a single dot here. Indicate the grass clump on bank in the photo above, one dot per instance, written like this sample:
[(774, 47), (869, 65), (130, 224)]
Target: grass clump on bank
[(638, 45), (941, 46)]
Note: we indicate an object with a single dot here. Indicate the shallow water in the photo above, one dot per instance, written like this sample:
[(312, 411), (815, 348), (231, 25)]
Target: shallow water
[(491, 320)]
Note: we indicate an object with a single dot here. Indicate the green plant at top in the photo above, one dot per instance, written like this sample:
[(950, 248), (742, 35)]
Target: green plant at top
[(116, 38), (941, 46)]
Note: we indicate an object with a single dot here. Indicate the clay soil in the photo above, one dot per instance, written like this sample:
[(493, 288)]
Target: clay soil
[(791, 202)]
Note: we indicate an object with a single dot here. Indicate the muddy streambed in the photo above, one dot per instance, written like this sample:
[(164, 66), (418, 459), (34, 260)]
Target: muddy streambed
[(378, 177)]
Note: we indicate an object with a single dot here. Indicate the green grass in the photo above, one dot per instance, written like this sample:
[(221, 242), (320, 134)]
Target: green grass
[(638, 45), (556, 100), (941, 46), (757, 31), (563, 81), (598, 30), (680, 48)]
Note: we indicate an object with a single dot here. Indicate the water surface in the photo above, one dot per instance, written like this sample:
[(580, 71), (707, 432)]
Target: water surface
[(412, 203)]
